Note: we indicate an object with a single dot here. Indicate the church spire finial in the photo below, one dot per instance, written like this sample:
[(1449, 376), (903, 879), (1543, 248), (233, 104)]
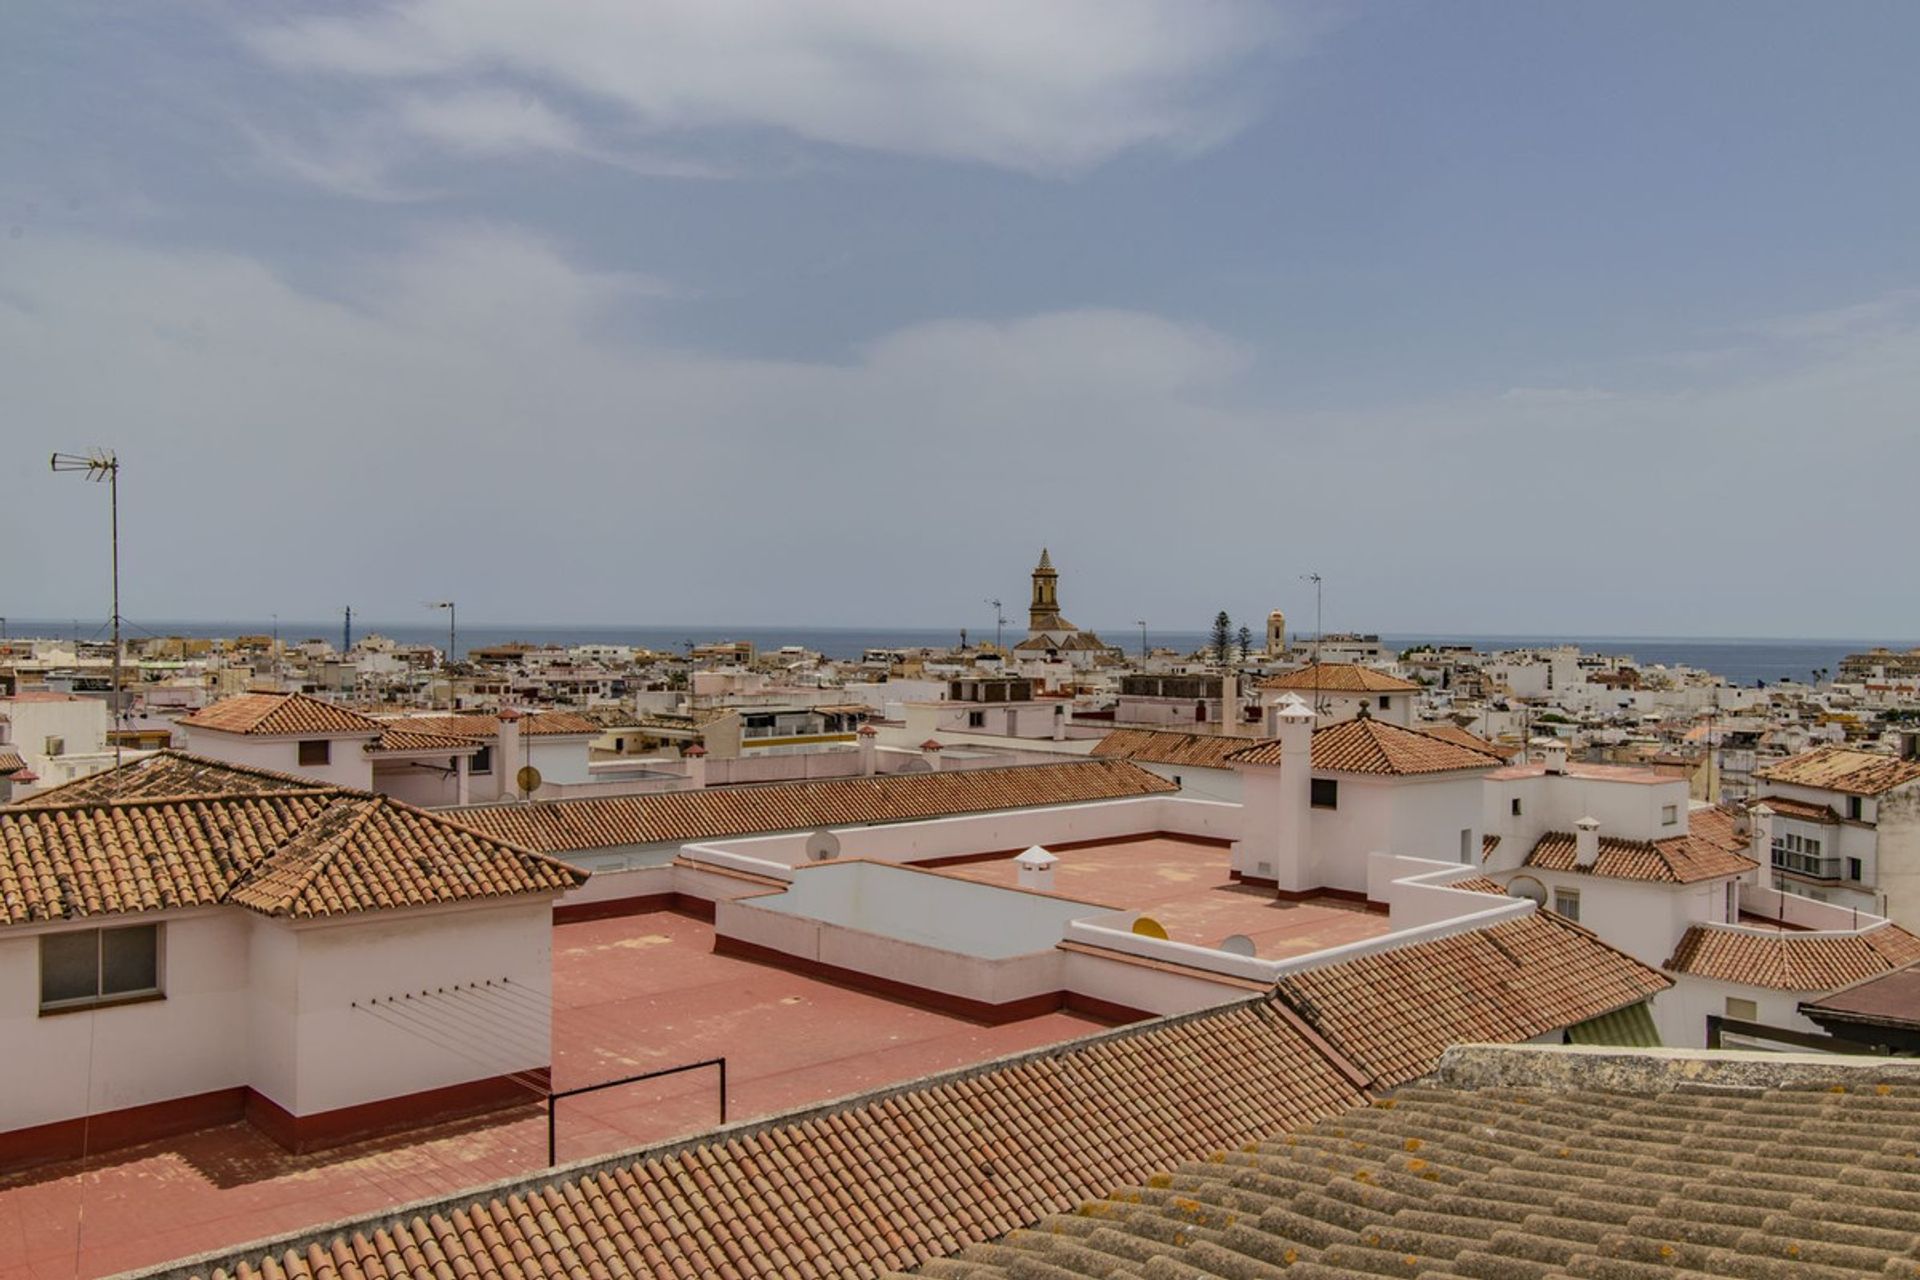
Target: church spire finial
[(1046, 562)]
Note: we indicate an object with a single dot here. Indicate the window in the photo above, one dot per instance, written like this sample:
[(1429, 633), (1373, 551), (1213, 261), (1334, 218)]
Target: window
[(1324, 793), (97, 966), (1466, 844), (1853, 807), (1567, 903), (1385, 702), (1733, 903), (1853, 869), (976, 719), (1669, 814), (1516, 806), (315, 751), (1742, 1010), (482, 761)]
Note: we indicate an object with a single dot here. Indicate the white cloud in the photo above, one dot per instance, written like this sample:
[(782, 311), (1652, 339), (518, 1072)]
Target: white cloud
[(1043, 88), (488, 122), (471, 418)]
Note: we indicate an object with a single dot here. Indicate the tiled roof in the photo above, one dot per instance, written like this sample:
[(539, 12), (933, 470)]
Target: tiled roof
[(394, 739), (856, 1188), (486, 724), (1163, 746), (1890, 1000), (556, 826), (174, 775), (11, 761), (1791, 960), (1367, 745), (1684, 859), (1846, 769), (1339, 677), (287, 853), (1799, 809), (369, 854), (279, 713), (1448, 732), (1513, 1183), (1394, 1012)]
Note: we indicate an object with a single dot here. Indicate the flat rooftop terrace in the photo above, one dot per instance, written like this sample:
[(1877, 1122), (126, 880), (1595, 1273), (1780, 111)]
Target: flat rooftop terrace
[(631, 994), (1185, 884)]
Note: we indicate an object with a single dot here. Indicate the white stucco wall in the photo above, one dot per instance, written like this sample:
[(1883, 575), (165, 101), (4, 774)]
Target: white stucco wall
[(1680, 1014), (86, 1061), (344, 1056), (348, 764)]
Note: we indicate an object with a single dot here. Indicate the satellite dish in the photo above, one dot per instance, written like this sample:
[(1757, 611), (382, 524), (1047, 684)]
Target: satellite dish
[(1529, 888), (528, 779), (1148, 927), (1237, 944), (823, 846)]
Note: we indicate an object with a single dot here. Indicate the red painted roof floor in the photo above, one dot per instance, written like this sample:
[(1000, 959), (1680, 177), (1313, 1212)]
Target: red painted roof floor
[(1185, 885), (630, 994)]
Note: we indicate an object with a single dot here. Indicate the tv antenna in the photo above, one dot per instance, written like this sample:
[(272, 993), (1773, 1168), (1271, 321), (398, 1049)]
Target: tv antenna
[(1318, 633), (999, 620)]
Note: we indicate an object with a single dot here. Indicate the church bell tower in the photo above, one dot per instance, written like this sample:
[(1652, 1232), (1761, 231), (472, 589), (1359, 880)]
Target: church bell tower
[(1044, 613)]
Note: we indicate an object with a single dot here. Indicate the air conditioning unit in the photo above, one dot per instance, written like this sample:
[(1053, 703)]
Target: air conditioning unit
[(55, 746)]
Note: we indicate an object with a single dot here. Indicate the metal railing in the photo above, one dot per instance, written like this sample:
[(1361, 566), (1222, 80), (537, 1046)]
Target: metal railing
[(554, 1095)]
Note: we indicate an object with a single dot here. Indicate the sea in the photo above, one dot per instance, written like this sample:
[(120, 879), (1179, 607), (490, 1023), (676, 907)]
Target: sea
[(1738, 661)]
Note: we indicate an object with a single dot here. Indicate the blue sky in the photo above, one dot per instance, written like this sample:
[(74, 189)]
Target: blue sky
[(1600, 318)]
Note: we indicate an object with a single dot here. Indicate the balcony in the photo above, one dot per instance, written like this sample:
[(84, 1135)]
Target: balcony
[(1809, 865)]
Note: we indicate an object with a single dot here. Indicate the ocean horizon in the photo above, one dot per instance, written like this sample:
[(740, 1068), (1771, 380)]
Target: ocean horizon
[(1739, 660)]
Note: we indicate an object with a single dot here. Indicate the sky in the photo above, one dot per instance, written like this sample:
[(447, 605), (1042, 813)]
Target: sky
[(1596, 318)]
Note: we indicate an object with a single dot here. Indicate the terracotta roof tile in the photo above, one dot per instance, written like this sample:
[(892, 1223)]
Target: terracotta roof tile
[(1162, 746), (300, 853), (1707, 852), (396, 739), (279, 713), (556, 826), (1514, 1183), (872, 1184), (1367, 745), (1844, 769), (1340, 677), (1396, 1011), (1799, 809), (1792, 960), (173, 774), (11, 761), (486, 724)]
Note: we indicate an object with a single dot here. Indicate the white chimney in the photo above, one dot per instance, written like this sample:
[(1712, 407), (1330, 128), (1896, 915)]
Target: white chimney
[(868, 753), (1552, 753), (696, 758), (1586, 842), (510, 761), (1036, 869), (1229, 704), (930, 752), (1294, 727)]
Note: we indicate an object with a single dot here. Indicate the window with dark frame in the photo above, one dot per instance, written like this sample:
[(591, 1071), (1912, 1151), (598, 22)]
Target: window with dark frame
[(976, 719), (1516, 806), (315, 751), (1853, 808), (1566, 902), (85, 967), (1324, 793), (482, 761)]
